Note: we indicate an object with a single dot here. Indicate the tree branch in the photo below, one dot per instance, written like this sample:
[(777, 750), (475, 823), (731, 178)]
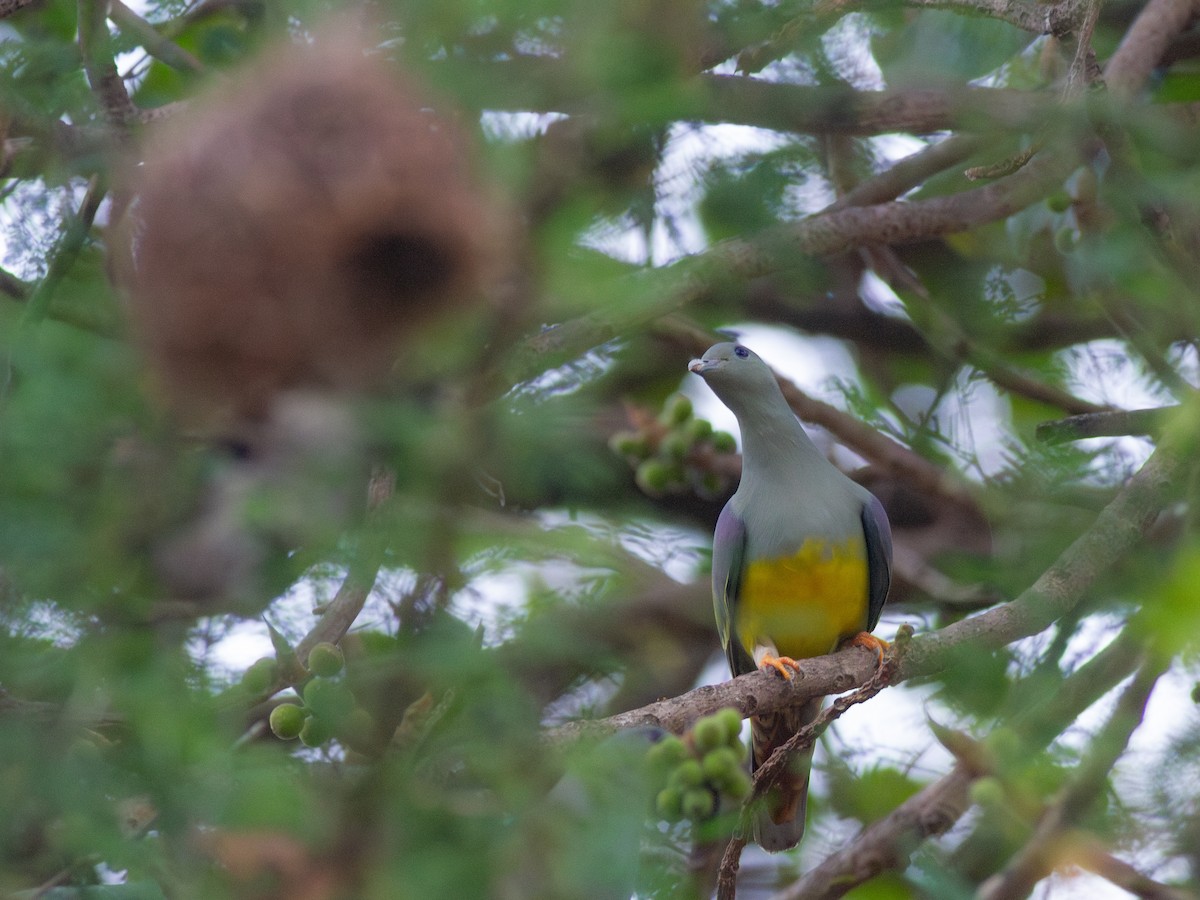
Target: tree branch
[(889, 843), (1051, 18), (1043, 18), (1120, 525), (1092, 855), (909, 172), (346, 604), (769, 773), (8, 7), (154, 43), (651, 294), (1144, 44), (102, 75), (1038, 857), (544, 84), (66, 252), (1106, 424), (12, 286)]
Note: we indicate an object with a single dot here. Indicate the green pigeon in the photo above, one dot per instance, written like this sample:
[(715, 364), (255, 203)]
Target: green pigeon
[(802, 561)]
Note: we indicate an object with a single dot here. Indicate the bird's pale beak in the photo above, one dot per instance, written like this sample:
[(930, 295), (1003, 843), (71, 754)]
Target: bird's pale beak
[(700, 366)]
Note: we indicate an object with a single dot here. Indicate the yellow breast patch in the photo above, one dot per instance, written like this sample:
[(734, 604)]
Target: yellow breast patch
[(805, 603)]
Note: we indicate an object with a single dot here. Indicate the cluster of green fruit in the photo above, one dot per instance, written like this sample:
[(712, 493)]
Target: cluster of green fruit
[(697, 769), (328, 709), (670, 453)]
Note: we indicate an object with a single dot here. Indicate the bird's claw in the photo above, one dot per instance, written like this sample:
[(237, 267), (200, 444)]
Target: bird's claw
[(780, 664), (870, 642)]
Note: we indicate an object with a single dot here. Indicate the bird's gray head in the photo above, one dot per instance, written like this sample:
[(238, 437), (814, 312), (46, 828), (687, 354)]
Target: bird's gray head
[(731, 369)]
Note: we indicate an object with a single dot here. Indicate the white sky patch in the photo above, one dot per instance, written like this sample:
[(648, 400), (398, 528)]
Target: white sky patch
[(246, 641), (503, 125), (847, 44), (880, 298), (676, 230)]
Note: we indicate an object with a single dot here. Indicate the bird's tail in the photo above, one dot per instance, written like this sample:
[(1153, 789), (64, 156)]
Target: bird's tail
[(779, 825)]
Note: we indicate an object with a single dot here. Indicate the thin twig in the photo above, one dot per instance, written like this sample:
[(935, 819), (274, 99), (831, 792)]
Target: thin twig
[(67, 251), (1039, 857), (910, 172), (731, 861), (651, 294), (777, 763), (1093, 856), (347, 603), (154, 43)]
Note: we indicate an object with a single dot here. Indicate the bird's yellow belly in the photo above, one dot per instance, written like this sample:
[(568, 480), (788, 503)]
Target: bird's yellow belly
[(806, 603)]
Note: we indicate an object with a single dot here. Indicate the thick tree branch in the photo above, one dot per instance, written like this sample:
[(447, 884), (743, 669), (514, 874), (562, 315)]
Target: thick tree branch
[(807, 109), (889, 843), (1051, 18), (1043, 18), (12, 286), (544, 84), (1144, 44)]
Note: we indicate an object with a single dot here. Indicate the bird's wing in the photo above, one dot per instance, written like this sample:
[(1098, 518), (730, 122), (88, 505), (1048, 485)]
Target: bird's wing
[(878, 535), (729, 551)]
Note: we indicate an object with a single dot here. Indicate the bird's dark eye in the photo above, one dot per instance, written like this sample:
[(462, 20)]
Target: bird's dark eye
[(741, 351)]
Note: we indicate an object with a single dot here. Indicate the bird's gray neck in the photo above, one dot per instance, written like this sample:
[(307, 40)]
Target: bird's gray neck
[(775, 446)]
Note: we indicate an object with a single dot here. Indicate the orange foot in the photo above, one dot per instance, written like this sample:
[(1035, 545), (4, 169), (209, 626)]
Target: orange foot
[(780, 664), (868, 640)]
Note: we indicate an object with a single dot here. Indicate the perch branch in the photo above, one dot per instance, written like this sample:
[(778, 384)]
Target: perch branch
[(769, 773), (889, 843)]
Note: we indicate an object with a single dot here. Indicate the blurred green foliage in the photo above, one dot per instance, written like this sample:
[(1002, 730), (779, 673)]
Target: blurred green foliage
[(541, 554)]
